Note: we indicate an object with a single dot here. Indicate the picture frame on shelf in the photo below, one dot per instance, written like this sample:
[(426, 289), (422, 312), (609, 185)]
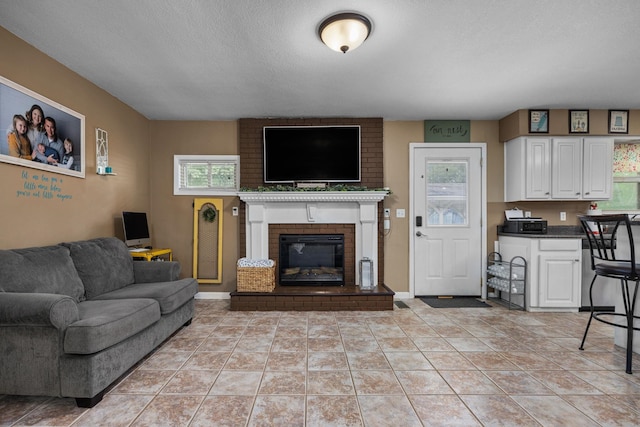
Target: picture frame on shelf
[(578, 121), (619, 121), (538, 121)]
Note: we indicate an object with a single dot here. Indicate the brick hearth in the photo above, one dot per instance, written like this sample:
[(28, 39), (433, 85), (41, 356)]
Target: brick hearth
[(314, 298)]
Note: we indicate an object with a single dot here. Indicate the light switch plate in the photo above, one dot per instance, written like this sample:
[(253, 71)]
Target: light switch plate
[(400, 213)]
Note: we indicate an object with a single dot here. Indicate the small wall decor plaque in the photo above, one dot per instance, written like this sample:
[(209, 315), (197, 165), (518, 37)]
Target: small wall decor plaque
[(618, 121), (538, 121), (578, 121), (447, 131)]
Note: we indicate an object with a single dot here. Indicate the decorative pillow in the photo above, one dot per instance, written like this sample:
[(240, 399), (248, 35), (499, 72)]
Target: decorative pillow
[(46, 269), (103, 264)]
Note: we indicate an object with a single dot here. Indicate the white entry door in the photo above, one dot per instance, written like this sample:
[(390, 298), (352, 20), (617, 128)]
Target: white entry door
[(448, 216)]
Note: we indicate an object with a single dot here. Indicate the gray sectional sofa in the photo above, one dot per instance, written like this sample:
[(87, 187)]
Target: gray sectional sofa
[(74, 317)]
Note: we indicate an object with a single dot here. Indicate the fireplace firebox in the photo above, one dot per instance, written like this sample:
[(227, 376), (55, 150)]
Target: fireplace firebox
[(311, 259)]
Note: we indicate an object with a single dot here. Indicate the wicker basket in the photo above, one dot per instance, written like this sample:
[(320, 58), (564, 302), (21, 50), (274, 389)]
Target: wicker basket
[(256, 279)]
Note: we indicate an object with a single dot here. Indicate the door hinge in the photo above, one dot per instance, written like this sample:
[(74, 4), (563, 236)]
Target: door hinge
[(481, 162)]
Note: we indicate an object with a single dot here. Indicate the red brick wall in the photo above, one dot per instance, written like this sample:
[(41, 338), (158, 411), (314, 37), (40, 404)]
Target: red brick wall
[(250, 135), (372, 176), (349, 231)]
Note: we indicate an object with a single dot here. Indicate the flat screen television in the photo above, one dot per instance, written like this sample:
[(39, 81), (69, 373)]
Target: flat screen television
[(311, 154), (136, 228)]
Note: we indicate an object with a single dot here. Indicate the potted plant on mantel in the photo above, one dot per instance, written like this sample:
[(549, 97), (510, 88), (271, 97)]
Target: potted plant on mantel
[(337, 187)]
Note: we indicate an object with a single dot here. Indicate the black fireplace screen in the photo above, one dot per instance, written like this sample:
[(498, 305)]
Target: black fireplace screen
[(311, 259)]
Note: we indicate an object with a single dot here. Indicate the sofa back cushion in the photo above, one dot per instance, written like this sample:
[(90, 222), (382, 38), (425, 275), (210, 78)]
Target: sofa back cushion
[(46, 269), (103, 264)]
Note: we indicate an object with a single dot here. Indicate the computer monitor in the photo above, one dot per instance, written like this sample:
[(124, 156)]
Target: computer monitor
[(136, 228)]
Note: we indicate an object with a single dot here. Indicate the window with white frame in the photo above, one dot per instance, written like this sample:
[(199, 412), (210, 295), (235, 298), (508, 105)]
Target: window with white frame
[(626, 178), (206, 175)]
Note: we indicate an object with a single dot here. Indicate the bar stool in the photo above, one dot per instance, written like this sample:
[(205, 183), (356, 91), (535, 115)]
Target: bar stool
[(602, 234)]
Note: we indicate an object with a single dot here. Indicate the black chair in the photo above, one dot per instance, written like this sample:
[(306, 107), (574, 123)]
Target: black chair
[(610, 259)]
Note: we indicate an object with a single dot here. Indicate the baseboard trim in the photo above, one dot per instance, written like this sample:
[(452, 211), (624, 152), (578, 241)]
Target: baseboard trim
[(402, 295), (213, 295), (598, 308)]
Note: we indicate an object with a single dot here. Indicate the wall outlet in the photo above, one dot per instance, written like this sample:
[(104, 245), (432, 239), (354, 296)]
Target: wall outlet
[(527, 214), (400, 213), (387, 224), (387, 213), (563, 216)]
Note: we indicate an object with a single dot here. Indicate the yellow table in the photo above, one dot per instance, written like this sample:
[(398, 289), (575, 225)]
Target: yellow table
[(149, 254)]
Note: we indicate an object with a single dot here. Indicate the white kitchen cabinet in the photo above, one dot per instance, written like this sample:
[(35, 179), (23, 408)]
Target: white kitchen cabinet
[(554, 273), (597, 171), (559, 273), (527, 169), (558, 168), (538, 168), (566, 168)]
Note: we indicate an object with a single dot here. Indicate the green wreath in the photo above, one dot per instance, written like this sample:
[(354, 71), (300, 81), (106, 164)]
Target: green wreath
[(209, 214)]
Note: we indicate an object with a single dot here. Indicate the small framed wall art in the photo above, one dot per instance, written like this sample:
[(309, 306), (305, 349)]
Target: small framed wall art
[(618, 121), (578, 121), (538, 121)]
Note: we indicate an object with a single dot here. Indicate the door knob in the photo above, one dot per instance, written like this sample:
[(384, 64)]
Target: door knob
[(419, 234)]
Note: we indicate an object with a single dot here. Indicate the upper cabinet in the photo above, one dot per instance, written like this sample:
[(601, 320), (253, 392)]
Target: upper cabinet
[(597, 169), (558, 168)]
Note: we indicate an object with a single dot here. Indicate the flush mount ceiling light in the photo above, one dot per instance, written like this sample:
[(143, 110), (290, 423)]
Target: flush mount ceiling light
[(345, 31)]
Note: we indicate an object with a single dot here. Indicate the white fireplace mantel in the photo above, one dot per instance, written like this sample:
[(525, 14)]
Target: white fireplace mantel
[(250, 197), (313, 207)]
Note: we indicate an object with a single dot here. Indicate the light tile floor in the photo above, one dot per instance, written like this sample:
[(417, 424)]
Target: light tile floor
[(410, 366)]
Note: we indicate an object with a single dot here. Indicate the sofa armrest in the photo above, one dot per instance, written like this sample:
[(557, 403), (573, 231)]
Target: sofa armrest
[(155, 271), (37, 309)]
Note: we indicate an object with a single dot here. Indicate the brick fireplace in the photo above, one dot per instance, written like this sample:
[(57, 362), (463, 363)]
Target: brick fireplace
[(352, 213), (250, 144), (355, 214)]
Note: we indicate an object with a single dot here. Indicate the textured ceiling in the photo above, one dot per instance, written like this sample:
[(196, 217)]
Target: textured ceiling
[(425, 59)]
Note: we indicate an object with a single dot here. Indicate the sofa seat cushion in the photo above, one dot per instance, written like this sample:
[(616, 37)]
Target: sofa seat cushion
[(108, 322), (46, 269), (170, 295), (103, 264)]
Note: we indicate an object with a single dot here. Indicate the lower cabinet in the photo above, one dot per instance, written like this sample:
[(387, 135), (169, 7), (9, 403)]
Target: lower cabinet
[(554, 270)]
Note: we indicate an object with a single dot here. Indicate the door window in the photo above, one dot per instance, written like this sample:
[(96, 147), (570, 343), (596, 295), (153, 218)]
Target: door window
[(447, 193)]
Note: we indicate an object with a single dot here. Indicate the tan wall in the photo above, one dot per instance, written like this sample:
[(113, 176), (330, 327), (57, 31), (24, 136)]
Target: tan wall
[(173, 215), (397, 137), (517, 123), (96, 201), (141, 154)]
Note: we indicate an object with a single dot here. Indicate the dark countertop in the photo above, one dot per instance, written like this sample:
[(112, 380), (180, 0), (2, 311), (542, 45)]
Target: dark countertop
[(553, 232)]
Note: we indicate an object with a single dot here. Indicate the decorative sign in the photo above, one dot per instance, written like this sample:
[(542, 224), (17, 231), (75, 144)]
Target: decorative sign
[(447, 131), (42, 186), (538, 121)]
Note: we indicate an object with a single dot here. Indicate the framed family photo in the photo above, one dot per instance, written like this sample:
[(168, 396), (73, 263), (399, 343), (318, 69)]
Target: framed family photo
[(618, 121), (40, 133), (578, 121), (538, 121)]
